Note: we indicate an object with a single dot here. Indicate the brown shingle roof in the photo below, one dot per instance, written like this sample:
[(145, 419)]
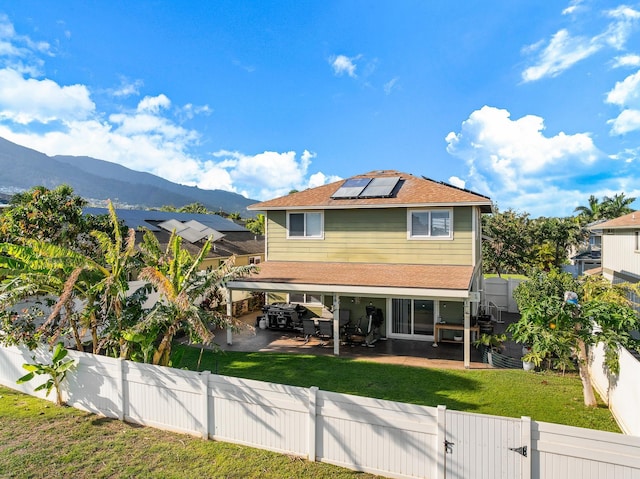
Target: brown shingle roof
[(632, 220), (412, 191), (445, 277)]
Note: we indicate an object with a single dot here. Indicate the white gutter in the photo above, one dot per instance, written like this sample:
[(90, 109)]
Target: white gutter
[(349, 290)]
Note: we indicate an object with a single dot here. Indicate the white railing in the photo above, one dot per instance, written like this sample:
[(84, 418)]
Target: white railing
[(364, 434), (494, 310)]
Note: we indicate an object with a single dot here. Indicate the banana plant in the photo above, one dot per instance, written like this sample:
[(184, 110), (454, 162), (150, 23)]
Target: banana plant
[(182, 285), (56, 371)]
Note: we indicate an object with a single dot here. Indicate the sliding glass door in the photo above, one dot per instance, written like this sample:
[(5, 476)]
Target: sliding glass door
[(412, 317)]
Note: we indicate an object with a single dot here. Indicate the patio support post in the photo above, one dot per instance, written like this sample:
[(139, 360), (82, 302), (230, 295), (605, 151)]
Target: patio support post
[(230, 316), (336, 324), (467, 334)]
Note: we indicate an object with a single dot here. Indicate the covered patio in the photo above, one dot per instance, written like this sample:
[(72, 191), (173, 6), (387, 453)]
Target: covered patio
[(392, 351), (392, 286)]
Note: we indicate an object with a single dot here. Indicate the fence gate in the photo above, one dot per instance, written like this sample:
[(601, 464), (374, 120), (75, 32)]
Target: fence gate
[(486, 447)]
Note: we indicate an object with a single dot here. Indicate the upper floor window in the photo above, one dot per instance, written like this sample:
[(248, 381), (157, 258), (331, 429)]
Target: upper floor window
[(429, 224), (305, 225)]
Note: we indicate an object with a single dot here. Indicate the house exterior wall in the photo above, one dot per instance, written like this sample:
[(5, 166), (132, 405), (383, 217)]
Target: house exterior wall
[(620, 256), (373, 236)]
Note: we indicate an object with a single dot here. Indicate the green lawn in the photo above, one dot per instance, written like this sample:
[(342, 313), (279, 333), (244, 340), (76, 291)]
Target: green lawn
[(506, 276), (41, 440), (545, 397)]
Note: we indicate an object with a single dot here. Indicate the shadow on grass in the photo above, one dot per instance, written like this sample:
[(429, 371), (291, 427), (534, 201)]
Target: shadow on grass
[(429, 387)]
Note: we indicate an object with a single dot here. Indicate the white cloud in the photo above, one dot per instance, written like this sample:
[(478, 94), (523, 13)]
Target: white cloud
[(153, 104), (343, 64), (565, 50), (27, 100), (626, 92), (272, 173), (626, 95), (319, 179), (573, 7), (562, 52), (127, 88), (455, 181), (626, 61), (625, 122), (391, 85), (509, 159)]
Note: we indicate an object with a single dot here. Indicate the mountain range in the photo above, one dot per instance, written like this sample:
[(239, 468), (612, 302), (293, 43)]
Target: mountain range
[(96, 180)]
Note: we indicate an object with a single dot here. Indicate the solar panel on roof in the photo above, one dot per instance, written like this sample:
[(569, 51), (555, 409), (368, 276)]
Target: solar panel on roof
[(380, 187), (351, 188), (191, 235), (173, 225)]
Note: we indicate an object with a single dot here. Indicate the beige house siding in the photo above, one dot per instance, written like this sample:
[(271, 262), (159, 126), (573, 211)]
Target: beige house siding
[(371, 236), (620, 254)]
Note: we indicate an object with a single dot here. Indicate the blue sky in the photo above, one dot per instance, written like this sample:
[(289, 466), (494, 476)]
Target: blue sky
[(535, 104)]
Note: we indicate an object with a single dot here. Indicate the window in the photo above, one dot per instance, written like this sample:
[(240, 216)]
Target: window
[(429, 224), (254, 260), (305, 225), (305, 298)]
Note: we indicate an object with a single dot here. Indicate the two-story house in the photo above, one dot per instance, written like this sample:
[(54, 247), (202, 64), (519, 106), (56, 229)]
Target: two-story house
[(406, 245), (621, 248)]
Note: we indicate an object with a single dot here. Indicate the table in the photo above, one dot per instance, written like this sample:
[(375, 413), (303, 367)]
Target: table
[(451, 327)]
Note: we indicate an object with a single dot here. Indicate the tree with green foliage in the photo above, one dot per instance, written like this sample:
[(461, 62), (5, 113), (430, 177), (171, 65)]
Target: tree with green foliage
[(616, 206), (553, 239), (54, 216), (256, 225), (562, 316), (183, 286), (607, 209), (85, 294), (591, 212), (196, 207), (508, 242)]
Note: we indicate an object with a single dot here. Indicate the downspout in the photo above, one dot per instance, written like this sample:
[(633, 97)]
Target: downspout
[(467, 334), (336, 324), (229, 316)]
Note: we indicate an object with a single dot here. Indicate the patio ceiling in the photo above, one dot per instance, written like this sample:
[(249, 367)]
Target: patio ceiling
[(359, 278)]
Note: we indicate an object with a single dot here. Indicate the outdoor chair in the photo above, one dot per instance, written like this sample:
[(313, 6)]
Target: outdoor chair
[(308, 329), (325, 330)]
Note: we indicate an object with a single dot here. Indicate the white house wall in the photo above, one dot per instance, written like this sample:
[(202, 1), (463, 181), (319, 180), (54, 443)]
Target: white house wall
[(619, 254)]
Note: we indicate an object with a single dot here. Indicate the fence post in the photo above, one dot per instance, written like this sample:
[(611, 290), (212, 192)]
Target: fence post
[(311, 449), (441, 437), (525, 432), (123, 391), (204, 375)]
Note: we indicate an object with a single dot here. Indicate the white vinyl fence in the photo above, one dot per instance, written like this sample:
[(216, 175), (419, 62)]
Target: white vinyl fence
[(382, 437), (499, 291), (621, 392)]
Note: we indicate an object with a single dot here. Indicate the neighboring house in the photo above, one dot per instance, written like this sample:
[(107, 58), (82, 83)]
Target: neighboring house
[(589, 261), (621, 248), (404, 244), (229, 238)]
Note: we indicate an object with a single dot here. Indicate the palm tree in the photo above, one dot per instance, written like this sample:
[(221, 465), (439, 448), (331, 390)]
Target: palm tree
[(616, 206), (591, 212), (175, 274)]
